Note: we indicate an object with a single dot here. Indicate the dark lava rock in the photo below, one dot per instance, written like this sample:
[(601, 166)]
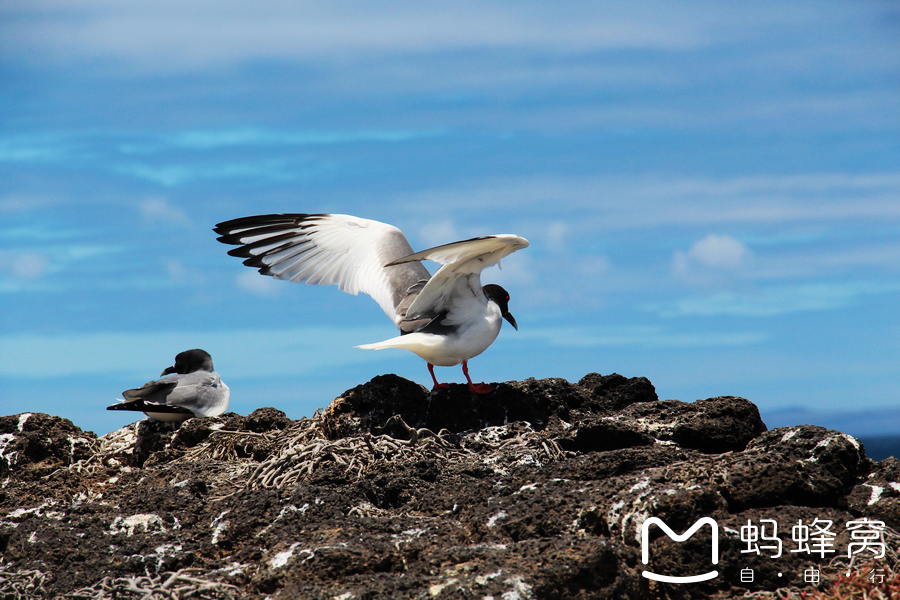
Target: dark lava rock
[(456, 409), (364, 408), (839, 454), (722, 424), (711, 426), (34, 444), (262, 420), (539, 489), (603, 434), (615, 392), (879, 496)]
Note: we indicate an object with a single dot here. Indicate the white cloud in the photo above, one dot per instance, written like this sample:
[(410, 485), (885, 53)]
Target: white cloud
[(259, 285), (717, 252), (58, 267), (437, 232), (499, 51), (517, 273), (159, 210), (592, 266), (181, 273), (557, 234), (24, 265), (23, 202)]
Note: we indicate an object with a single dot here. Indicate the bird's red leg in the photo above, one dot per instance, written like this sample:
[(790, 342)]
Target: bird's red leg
[(434, 379), (476, 388)]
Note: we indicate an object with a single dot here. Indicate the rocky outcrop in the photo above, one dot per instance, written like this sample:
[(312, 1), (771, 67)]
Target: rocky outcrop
[(537, 490)]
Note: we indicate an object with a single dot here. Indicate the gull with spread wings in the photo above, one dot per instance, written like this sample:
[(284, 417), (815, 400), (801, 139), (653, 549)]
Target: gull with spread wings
[(446, 319)]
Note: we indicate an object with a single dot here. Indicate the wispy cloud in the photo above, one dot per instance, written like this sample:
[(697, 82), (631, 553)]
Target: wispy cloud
[(647, 337), (24, 202), (49, 265), (183, 35), (519, 51), (270, 169), (43, 147), (181, 273), (778, 300), (436, 231), (188, 34), (31, 265), (715, 253), (277, 155), (259, 285), (765, 226), (603, 203), (24, 265), (159, 210), (259, 137), (238, 353)]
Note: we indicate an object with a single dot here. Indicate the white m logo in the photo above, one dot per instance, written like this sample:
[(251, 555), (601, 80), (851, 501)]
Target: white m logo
[(645, 548)]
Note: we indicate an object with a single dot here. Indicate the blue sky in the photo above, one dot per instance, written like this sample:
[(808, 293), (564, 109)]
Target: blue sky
[(711, 192)]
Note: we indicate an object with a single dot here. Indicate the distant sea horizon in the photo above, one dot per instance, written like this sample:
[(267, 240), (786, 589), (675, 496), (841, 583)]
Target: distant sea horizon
[(878, 430)]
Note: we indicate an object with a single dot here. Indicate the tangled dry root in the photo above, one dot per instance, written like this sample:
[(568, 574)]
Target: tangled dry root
[(305, 449), (22, 585), (168, 586)]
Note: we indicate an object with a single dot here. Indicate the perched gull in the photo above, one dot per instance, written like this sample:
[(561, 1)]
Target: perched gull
[(445, 319), (189, 388)]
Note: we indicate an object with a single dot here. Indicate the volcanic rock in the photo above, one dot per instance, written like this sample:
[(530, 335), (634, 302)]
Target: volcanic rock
[(539, 489)]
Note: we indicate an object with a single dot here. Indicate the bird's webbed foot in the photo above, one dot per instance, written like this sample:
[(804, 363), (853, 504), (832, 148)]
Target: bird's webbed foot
[(480, 388)]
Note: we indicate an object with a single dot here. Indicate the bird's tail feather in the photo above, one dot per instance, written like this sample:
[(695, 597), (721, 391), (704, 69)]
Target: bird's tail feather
[(410, 341)]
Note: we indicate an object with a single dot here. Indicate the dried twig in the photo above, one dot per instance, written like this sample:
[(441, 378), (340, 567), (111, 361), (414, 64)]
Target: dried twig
[(181, 584)]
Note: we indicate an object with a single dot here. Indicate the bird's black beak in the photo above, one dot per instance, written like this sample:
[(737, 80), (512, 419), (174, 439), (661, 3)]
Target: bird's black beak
[(512, 320), (168, 371)]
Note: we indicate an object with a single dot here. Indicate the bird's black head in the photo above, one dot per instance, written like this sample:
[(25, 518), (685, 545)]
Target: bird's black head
[(501, 298), (190, 361)]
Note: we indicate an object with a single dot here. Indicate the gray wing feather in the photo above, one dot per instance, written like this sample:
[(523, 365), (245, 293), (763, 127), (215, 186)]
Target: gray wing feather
[(201, 392), (153, 391)]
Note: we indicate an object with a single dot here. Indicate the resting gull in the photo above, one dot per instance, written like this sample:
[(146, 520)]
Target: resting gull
[(189, 388)]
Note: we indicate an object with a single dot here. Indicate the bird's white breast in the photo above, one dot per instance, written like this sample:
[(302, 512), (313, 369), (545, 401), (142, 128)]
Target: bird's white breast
[(478, 331)]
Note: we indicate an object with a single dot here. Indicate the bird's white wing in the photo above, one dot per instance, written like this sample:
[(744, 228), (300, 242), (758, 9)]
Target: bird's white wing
[(467, 258), (327, 249), (486, 250)]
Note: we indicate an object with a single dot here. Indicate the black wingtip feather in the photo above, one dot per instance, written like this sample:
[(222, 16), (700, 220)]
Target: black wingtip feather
[(226, 228), (275, 227), (141, 406)]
